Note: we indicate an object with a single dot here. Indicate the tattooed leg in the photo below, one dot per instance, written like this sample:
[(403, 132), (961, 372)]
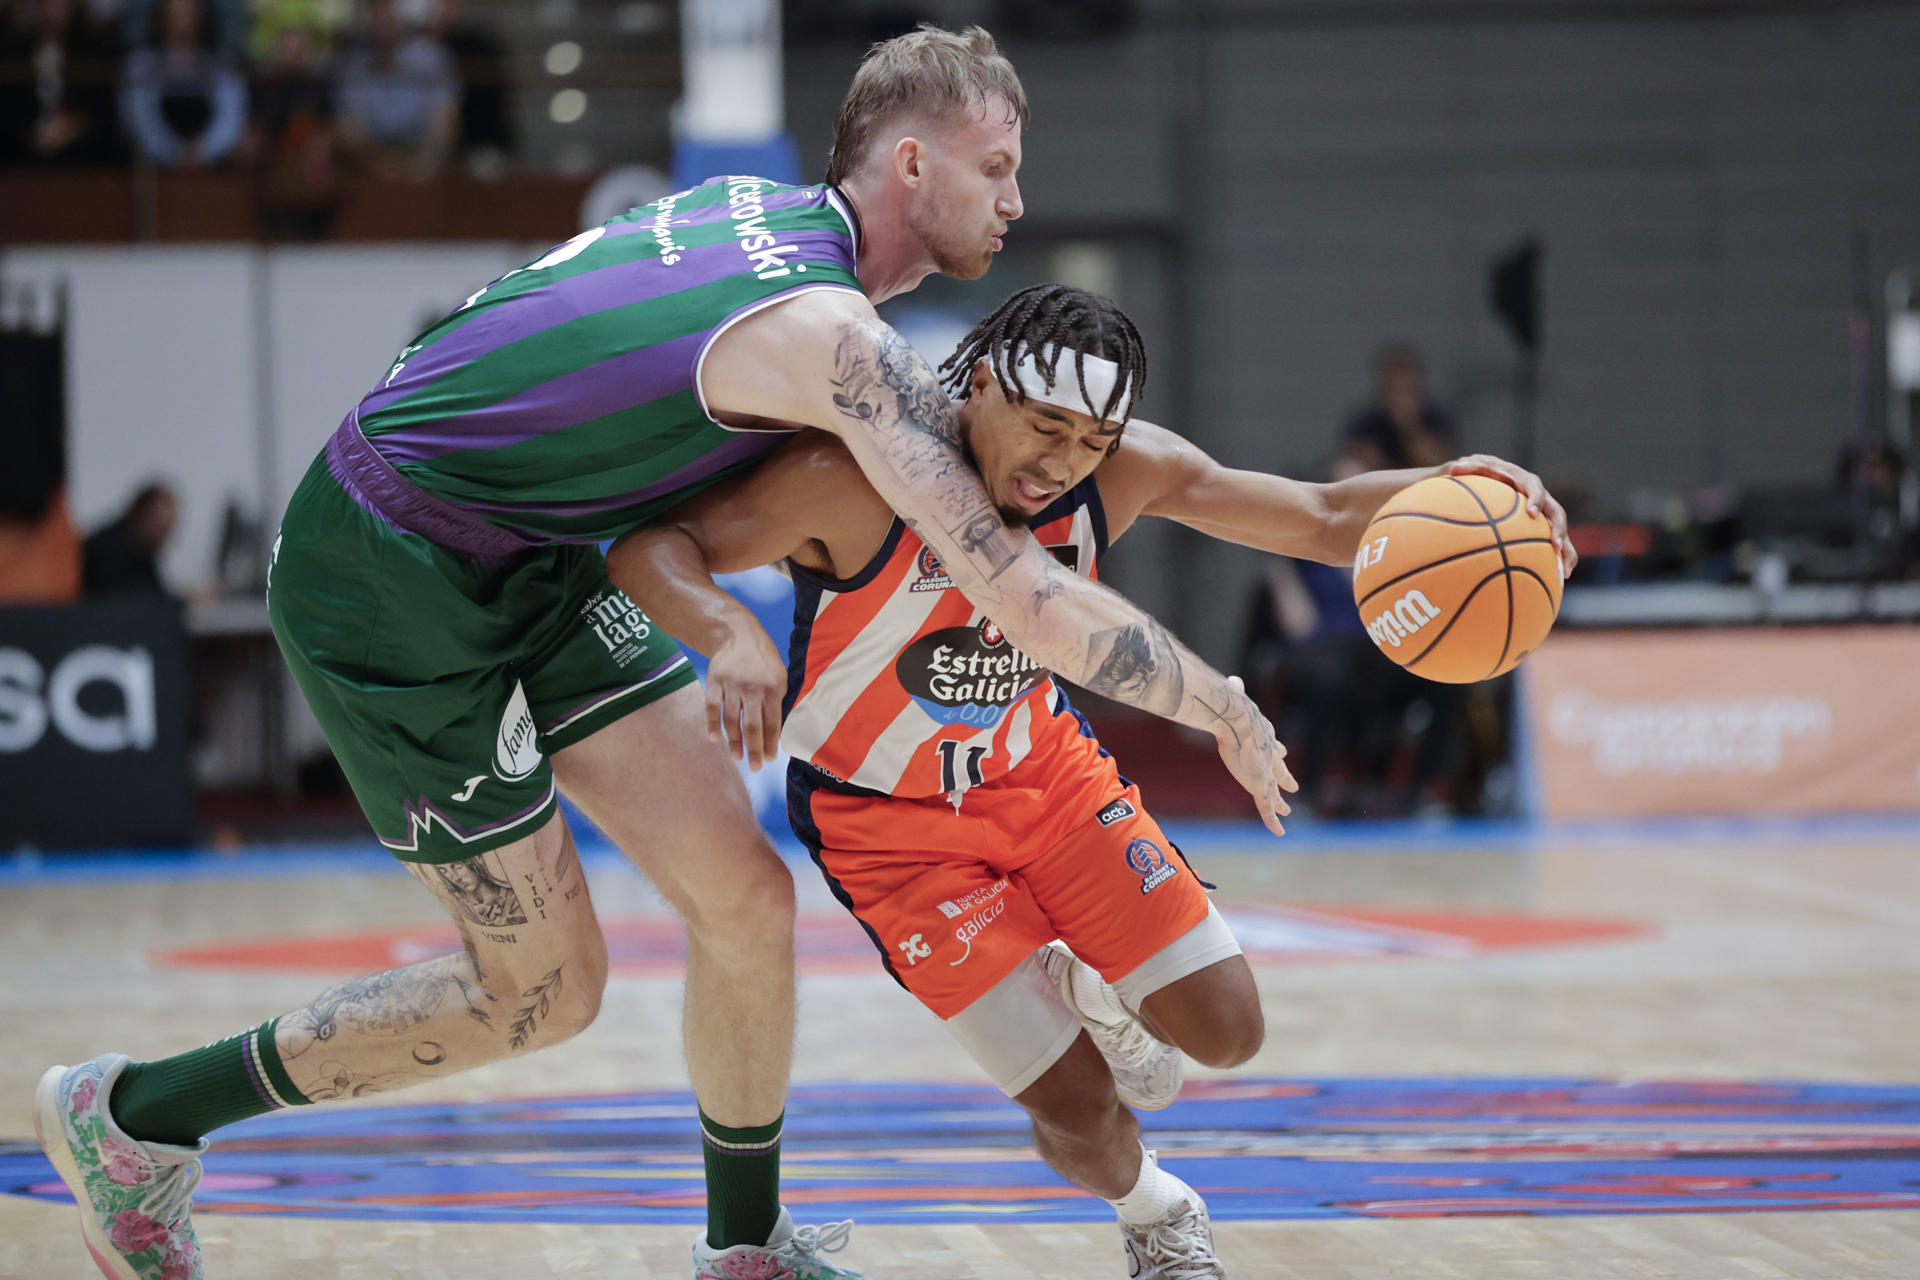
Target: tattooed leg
[(529, 975)]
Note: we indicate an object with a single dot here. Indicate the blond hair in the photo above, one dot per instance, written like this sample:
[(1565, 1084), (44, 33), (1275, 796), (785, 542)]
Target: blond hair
[(927, 72)]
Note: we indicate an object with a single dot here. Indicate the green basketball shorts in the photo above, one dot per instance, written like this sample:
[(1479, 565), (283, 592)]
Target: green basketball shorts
[(443, 685)]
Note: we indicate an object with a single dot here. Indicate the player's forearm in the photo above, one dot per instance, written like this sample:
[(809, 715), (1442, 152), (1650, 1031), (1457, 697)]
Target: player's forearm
[(1118, 652), (1351, 505), (664, 571)]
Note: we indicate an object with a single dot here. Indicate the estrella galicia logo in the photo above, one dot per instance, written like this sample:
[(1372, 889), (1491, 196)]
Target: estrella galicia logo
[(1150, 864), (1115, 812), (966, 675), (933, 574)]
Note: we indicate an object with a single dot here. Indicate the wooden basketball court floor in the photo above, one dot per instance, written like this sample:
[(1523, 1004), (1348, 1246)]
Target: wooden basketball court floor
[(1469, 1032)]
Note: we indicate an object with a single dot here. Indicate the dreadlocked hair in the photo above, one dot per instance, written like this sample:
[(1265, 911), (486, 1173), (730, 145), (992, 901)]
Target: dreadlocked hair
[(1060, 317)]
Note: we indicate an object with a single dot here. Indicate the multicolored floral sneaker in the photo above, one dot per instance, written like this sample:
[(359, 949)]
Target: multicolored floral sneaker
[(790, 1253), (133, 1195)]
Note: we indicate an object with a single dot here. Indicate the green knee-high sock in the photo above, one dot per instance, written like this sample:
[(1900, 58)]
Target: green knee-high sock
[(743, 1182), (180, 1099)]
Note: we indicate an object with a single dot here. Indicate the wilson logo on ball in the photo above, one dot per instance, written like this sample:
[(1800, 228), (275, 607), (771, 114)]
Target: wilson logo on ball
[(1409, 613)]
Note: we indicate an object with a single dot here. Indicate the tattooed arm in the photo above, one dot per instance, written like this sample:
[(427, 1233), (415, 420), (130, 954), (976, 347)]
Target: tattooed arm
[(826, 359)]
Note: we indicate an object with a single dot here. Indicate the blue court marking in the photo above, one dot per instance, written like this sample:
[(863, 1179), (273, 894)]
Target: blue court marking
[(1257, 1149), (1195, 836)]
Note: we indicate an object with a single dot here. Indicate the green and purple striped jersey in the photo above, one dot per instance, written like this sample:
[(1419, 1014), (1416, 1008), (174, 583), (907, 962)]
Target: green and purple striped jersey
[(562, 403)]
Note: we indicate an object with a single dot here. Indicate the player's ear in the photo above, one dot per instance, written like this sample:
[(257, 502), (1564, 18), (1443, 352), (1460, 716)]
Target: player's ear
[(908, 155), (981, 377)]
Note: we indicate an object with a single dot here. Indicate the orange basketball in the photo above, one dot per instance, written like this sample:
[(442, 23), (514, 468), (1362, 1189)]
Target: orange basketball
[(1456, 580)]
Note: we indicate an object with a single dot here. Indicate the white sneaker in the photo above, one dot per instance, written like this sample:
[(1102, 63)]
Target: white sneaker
[(1147, 1073), (133, 1195), (1178, 1247), (790, 1253)]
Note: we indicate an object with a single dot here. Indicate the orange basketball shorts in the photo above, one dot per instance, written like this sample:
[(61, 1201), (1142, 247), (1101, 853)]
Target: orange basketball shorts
[(1060, 847)]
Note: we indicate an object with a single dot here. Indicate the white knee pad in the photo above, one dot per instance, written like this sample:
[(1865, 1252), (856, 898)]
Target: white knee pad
[(1018, 1029), (1207, 943), (1023, 1025)]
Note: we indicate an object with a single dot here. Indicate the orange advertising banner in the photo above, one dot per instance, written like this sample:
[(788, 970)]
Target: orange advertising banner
[(1818, 720)]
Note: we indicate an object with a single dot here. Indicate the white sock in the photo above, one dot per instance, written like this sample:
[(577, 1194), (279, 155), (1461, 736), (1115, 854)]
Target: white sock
[(1155, 1195)]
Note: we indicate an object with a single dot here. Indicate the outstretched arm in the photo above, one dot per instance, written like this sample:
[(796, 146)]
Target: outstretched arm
[(1158, 473), (827, 360)]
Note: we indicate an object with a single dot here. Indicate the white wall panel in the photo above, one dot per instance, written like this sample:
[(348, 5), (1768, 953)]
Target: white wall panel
[(339, 315)]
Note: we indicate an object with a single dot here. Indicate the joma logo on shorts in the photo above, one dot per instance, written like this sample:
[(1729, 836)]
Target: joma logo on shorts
[(1407, 615)]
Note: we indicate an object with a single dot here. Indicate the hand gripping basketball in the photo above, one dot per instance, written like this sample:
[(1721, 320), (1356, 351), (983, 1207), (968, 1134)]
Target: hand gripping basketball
[(1254, 756)]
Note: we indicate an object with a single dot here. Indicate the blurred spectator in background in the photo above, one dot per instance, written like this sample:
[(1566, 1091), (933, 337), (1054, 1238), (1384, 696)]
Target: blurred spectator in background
[(398, 99), (226, 23), (123, 557), (486, 131), (1367, 739), (185, 103), (1871, 479), (1401, 428), (58, 73), (292, 139)]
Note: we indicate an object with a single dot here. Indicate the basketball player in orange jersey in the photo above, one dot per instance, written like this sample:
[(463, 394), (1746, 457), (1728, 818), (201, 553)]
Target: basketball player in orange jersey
[(958, 806)]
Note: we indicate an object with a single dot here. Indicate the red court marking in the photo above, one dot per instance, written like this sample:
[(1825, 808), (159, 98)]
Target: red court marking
[(830, 942)]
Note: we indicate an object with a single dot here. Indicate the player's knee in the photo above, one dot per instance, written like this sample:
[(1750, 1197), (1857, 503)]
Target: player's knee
[(536, 1000), (1228, 1041), (1071, 1103), (756, 910), (577, 1015), (592, 985), (554, 1008)]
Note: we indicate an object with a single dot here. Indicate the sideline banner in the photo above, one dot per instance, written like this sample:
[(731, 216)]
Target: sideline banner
[(93, 725), (1813, 720)]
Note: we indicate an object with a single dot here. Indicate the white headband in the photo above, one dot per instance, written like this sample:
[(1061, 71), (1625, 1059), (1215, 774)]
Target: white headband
[(1101, 375)]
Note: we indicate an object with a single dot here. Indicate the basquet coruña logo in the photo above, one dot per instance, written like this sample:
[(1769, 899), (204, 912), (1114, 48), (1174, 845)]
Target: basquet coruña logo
[(966, 675), (1150, 864), (933, 574)]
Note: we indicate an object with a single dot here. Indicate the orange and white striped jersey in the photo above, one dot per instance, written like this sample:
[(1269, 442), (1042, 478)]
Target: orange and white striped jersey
[(896, 684)]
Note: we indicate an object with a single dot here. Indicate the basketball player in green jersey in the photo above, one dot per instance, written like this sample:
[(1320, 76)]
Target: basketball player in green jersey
[(436, 590)]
